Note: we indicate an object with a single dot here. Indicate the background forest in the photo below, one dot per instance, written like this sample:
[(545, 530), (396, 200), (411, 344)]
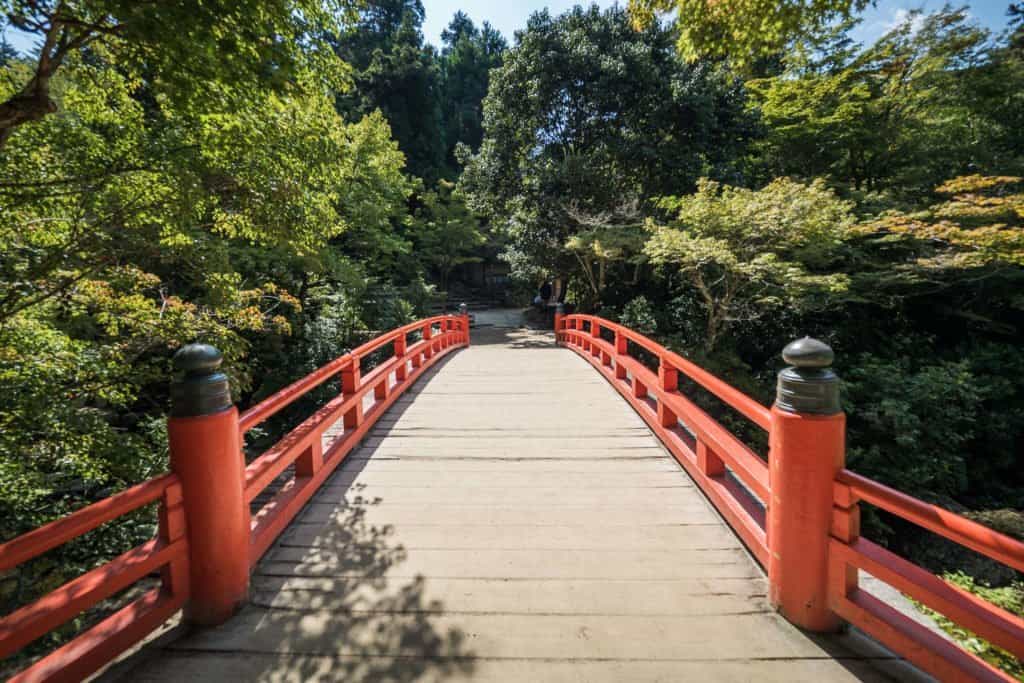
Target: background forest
[(281, 178)]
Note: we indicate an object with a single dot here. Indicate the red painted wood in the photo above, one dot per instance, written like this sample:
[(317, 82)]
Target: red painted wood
[(918, 644), (274, 517), (969, 611), (21, 627), (956, 528), (101, 644), (733, 397), (49, 536)]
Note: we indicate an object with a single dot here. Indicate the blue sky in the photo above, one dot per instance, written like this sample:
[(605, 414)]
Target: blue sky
[(509, 15)]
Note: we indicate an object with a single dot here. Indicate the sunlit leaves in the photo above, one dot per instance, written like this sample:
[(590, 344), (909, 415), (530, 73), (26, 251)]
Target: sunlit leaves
[(748, 252), (741, 31)]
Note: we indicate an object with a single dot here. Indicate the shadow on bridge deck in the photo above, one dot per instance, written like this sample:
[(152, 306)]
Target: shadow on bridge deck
[(509, 519)]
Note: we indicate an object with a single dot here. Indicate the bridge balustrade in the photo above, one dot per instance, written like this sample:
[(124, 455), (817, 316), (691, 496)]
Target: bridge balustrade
[(799, 512), (207, 540)]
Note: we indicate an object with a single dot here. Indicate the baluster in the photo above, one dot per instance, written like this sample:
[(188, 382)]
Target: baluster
[(464, 315), (621, 351), (428, 336), (310, 460), (351, 380), (639, 389), (401, 372), (668, 379), (708, 461), (171, 528), (843, 579)]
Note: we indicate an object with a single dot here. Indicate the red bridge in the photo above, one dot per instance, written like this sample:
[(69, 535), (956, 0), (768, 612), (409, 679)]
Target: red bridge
[(494, 512)]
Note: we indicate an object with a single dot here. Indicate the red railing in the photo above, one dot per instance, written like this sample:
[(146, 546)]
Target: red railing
[(205, 457), (933, 653), (702, 446), (303, 445), (167, 553), (782, 534), (740, 485)]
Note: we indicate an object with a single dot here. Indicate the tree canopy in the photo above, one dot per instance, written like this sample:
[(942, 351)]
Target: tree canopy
[(586, 112), (283, 178)]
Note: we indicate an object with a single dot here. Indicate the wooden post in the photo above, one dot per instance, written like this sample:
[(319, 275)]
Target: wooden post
[(403, 366), (806, 451), (668, 379), (350, 380), (559, 316), (206, 454), (621, 349), (428, 335), (464, 314)]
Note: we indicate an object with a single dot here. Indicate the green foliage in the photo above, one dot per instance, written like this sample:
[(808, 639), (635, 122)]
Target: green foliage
[(915, 108), (639, 315), (446, 234), (587, 115), (979, 226), (910, 424), (1009, 598), (748, 252), (431, 101), (211, 54), (131, 226), (741, 31), (468, 55), (397, 74)]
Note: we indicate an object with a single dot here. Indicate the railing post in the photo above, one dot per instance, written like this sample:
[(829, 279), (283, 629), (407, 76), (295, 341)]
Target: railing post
[(206, 454), (428, 335), (403, 366), (464, 314), (351, 378), (621, 349), (668, 378), (806, 451), (559, 315)]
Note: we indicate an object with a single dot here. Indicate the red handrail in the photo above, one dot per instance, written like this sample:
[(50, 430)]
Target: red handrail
[(91, 650), (58, 532), (274, 403), (708, 451), (857, 606), (169, 551), (945, 523), (303, 446)]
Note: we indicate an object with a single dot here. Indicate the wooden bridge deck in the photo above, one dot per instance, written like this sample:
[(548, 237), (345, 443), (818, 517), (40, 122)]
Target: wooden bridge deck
[(510, 519)]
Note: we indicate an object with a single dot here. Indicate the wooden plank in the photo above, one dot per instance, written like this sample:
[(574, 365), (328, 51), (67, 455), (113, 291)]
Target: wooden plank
[(510, 518)]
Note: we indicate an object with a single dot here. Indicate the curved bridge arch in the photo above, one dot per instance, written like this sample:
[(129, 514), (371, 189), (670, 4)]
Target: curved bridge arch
[(495, 513)]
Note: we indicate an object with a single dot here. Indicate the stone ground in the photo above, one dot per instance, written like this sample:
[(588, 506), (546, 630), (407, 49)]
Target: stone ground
[(510, 519)]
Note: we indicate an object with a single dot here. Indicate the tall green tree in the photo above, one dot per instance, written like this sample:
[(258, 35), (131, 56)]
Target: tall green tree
[(919, 105), (586, 112), (748, 253), (211, 52), (446, 233), (467, 57), (742, 31), (396, 73)]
